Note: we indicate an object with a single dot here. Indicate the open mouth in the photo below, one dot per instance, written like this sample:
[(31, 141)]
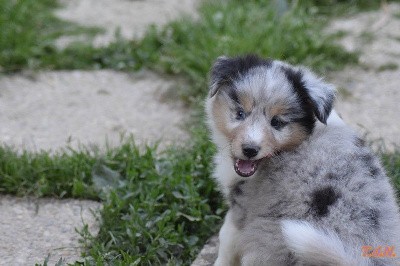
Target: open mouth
[(246, 168)]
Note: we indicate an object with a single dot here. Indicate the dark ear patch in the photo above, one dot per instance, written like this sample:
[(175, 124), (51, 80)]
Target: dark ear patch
[(295, 77), (318, 95), (322, 199), (225, 70)]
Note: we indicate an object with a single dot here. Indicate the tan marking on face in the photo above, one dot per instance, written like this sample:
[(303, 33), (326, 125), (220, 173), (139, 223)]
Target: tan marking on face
[(220, 112), (247, 102), (279, 108), (297, 136), (237, 136)]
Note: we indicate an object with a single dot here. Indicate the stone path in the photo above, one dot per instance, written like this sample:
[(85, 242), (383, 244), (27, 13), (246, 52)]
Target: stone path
[(370, 93), (31, 229), (131, 17), (47, 110), (55, 109)]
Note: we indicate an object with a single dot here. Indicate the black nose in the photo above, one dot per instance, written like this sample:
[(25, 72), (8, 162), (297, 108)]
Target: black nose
[(250, 151)]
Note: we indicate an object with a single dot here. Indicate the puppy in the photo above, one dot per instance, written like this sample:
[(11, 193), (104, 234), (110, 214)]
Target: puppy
[(302, 187)]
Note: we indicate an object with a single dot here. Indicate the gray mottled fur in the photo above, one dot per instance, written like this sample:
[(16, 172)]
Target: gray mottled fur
[(332, 165), (364, 214)]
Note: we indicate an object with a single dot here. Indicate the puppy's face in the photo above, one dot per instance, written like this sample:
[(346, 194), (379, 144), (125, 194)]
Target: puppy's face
[(261, 107)]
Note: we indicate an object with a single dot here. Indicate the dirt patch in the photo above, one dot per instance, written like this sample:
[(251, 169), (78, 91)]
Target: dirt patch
[(31, 229), (53, 109)]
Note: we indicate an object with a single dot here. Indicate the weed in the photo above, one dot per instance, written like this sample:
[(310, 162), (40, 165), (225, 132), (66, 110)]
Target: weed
[(390, 66)]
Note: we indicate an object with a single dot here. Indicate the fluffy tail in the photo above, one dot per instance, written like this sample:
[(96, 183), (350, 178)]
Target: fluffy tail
[(317, 247)]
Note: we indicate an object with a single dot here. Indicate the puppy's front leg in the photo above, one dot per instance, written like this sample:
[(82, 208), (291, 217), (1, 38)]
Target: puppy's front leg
[(227, 252)]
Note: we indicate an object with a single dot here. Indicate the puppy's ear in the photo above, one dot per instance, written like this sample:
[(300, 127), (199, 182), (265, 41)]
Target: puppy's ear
[(322, 94), (312, 91), (219, 74)]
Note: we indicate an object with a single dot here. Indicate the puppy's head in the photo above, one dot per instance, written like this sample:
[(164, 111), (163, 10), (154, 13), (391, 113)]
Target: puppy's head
[(258, 107)]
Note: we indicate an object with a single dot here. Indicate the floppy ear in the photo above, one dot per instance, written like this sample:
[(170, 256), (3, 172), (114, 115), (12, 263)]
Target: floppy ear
[(321, 94), (219, 74)]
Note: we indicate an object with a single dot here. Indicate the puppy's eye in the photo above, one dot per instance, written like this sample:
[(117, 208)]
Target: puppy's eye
[(240, 115), (277, 123)]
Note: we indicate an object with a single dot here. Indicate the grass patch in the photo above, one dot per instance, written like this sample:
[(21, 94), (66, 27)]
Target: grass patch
[(336, 8), (30, 29), (162, 210), (65, 174), (157, 209), (28, 33), (126, 55), (183, 47), (188, 48), (391, 162), (390, 66)]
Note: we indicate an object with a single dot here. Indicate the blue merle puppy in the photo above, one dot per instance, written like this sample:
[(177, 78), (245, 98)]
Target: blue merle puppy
[(302, 187)]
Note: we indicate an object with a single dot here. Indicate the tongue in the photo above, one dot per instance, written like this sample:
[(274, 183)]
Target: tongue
[(245, 168)]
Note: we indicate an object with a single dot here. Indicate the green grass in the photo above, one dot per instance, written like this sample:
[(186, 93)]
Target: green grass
[(390, 66), (28, 33), (65, 174), (391, 161), (158, 209), (162, 210), (278, 29), (334, 8), (183, 47), (187, 48)]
